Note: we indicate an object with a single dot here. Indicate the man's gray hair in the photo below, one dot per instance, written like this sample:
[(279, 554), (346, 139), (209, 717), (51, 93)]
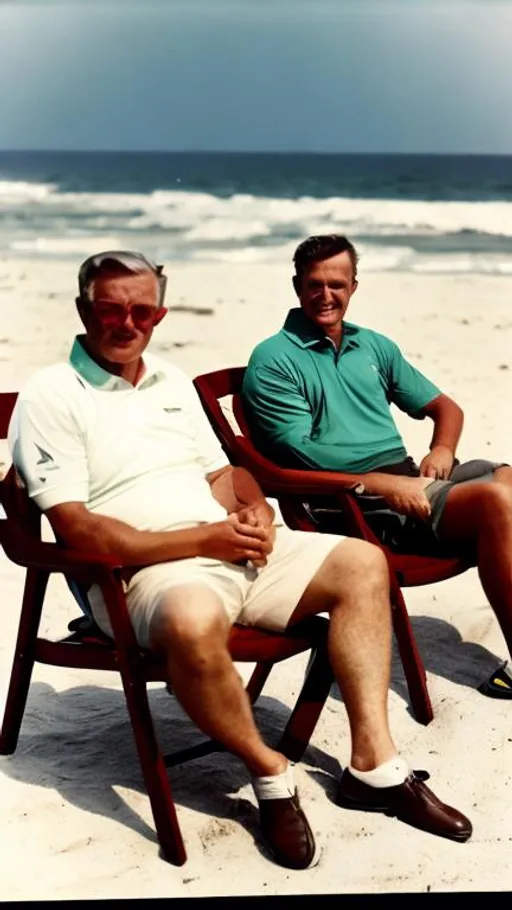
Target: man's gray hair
[(117, 261)]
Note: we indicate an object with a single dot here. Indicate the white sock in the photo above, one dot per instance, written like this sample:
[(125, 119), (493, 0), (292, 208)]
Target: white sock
[(390, 774), (275, 786)]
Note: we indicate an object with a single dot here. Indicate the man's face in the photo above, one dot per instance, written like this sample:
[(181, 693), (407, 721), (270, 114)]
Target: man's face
[(325, 289), (120, 320)]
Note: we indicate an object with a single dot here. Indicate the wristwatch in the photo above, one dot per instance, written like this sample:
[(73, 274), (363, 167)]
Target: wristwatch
[(358, 488)]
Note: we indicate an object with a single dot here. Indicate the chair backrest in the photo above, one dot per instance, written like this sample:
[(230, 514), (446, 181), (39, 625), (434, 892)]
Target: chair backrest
[(212, 388), (284, 484), (24, 516), (236, 442), (17, 505), (7, 402)]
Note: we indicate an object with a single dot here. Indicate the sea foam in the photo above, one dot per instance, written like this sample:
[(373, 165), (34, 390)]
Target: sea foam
[(416, 235)]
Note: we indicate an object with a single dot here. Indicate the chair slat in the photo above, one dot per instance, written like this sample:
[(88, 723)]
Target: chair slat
[(7, 402)]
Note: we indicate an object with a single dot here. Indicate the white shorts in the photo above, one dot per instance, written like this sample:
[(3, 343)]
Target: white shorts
[(263, 597)]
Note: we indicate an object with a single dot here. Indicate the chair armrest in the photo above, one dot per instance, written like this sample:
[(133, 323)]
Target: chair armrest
[(279, 482), (90, 568), (27, 551), (288, 480)]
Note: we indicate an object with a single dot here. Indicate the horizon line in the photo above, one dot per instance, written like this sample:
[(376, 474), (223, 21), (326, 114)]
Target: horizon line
[(112, 151)]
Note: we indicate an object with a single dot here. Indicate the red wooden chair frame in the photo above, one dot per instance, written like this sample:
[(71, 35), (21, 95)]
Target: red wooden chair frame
[(20, 537), (292, 487)]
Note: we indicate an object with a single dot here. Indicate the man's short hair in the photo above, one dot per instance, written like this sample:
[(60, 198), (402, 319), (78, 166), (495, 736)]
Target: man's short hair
[(323, 246), (117, 261)]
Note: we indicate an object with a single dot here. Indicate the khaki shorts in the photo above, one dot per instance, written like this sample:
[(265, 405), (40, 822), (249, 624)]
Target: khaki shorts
[(263, 597)]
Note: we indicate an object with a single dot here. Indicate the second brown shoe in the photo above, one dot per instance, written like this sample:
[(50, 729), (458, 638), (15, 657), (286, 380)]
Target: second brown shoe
[(411, 802), (287, 833)]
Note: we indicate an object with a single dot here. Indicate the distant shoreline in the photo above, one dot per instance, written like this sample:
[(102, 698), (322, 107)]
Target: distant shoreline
[(263, 152)]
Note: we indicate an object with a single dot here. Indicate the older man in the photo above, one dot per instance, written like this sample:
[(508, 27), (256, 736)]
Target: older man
[(115, 448), (318, 394)]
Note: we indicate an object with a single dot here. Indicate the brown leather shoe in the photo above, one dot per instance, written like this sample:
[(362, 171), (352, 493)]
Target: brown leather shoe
[(412, 802), (287, 834)]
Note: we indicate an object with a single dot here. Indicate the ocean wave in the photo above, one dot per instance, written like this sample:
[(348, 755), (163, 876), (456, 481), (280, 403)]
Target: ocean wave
[(248, 254), (407, 234), (16, 191), (463, 265), (55, 246), (219, 230), (372, 258), (190, 211)]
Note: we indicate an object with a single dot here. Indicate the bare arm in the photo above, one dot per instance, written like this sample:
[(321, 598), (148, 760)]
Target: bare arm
[(448, 420), (401, 493), (405, 494), (237, 490), (229, 540)]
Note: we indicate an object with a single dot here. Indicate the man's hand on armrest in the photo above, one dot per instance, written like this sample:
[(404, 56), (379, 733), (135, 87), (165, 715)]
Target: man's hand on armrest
[(403, 494)]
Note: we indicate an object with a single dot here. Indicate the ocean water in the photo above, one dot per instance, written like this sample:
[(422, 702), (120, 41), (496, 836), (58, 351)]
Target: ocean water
[(413, 213)]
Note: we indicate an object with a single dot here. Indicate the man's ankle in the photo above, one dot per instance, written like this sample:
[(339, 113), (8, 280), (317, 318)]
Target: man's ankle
[(275, 764), (391, 773)]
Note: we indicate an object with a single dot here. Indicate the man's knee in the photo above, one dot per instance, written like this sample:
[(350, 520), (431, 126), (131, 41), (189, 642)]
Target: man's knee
[(495, 501), (359, 563), (190, 625), (472, 510)]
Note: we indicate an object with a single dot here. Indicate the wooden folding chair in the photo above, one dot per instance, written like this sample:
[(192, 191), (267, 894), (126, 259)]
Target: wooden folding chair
[(294, 488), (89, 649)]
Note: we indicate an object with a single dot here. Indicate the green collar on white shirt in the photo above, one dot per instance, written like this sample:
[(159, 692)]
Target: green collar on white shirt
[(96, 376)]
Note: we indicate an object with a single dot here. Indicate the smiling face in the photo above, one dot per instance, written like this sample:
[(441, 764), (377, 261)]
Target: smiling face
[(120, 319), (324, 290)]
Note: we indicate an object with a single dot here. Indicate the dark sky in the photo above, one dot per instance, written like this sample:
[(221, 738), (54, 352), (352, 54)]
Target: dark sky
[(285, 75)]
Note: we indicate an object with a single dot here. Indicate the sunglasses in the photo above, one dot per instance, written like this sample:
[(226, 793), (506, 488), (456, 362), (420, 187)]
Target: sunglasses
[(114, 315)]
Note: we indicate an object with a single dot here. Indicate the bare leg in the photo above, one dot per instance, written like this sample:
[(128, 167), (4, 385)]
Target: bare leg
[(353, 586), (192, 629), (480, 514)]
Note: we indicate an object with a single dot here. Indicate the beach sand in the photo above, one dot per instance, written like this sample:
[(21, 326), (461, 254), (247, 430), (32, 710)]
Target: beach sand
[(75, 819)]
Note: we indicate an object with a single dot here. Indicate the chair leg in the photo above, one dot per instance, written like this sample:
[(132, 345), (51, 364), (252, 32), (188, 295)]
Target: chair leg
[(24, 656), (410, 657), (309, 705), (258, 679), (152, 765)]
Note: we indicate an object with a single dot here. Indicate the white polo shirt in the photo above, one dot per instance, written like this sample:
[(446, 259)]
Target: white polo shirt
[(140, 454)]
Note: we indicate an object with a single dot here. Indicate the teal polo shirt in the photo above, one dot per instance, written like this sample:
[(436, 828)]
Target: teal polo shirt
[(309, 405)]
